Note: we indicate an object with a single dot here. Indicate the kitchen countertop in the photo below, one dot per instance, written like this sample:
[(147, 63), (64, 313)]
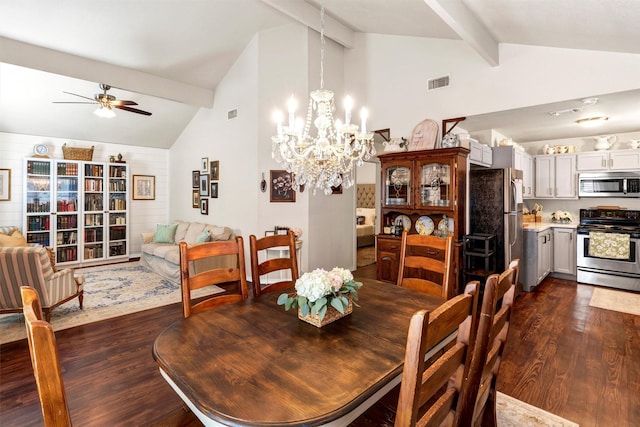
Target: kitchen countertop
[(541, 226)]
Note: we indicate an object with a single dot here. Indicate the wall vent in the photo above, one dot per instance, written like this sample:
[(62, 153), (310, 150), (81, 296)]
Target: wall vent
[(232, 114), (438, 82)]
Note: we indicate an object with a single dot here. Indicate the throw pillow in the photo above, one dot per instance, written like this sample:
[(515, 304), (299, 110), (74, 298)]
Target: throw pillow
[(203, 237), (15, 239), (360, 220), (165, 233)]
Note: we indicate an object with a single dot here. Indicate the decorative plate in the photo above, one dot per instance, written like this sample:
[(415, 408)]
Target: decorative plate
[(406, 221), (444, 226), (424, 225)]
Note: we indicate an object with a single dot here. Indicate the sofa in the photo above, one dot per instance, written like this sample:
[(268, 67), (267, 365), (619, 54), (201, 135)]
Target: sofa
[(161, 253)]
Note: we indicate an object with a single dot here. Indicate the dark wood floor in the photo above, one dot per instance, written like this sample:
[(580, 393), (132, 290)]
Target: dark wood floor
[(578, 362)]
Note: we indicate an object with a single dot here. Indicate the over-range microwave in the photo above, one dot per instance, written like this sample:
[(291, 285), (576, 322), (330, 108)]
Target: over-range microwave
[(609, 184)]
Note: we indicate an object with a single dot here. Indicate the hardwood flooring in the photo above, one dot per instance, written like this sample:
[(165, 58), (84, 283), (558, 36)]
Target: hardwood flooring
[(563, 356)]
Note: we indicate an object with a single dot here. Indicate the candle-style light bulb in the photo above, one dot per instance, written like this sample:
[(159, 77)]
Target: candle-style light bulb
[(348, 105), (363, 117), (277, 117), (338, 124), (291, 106)]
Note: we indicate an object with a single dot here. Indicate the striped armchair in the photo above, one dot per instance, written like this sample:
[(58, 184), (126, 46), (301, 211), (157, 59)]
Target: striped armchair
[(31, 266)]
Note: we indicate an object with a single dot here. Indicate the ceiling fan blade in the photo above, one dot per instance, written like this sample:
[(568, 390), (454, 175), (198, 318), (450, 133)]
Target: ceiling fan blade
[(133, 110), (81, 96), (73, 102), (122, 102)]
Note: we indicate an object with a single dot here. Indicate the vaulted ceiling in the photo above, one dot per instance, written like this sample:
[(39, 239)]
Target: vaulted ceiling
[(168, 56)]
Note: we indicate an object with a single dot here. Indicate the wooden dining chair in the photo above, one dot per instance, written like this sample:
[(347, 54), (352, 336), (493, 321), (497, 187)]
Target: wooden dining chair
[(479, 395), (45, 361), (429, 394), (288, 265), (232, 280), (425, 264)]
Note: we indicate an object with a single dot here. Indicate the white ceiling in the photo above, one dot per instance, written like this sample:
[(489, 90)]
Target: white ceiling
[(169, 55)]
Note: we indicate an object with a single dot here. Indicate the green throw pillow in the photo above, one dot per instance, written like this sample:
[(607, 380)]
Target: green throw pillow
[(165, 233), (203, 237)]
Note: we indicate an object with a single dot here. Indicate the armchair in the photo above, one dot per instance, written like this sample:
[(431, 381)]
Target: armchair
[(31, 266)]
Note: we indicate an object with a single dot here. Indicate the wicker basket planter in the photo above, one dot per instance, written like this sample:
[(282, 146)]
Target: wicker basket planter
[(71, 153), (331, 316)]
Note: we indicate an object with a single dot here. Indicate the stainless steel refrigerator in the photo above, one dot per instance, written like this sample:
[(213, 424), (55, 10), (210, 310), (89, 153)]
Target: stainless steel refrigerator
[(495, 207)]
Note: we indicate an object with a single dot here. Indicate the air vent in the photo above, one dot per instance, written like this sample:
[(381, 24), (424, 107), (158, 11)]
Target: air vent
[(439, 82), (232, 114)]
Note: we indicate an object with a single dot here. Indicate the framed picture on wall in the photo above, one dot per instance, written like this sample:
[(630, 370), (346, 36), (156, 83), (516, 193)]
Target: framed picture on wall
[(215, 170), (5, 185), (214, 190), (195, 203), (204, 185), (195, 179), (281, 185), (144, 187), (204, 165), (204, 206)]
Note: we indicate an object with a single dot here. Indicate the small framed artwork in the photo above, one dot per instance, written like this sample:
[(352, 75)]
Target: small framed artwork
[(336, 190), (5, 185), (214, 190), (215, 170), (282, 187), (195, 179), (195, 203), (204, 206), (204, 185), (144, 187), (204, 165)]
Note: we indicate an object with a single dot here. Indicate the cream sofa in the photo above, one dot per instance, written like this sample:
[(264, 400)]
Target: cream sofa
[(164, 258)]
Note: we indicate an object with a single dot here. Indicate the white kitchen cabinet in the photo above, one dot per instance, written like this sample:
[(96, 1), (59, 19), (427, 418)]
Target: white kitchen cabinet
[(555, 176), (510, 157), (537, 259), (608, 160), (564, 251), (480, 154)]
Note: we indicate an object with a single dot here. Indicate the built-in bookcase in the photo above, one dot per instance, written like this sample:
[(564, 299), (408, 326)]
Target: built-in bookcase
[(78, 208)]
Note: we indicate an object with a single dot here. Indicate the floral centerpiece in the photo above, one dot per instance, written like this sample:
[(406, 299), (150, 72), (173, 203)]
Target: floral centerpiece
[(561, 216), (322, 296)]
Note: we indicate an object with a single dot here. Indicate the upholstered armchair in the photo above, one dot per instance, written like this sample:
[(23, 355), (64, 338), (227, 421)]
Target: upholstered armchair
[(31, 266)]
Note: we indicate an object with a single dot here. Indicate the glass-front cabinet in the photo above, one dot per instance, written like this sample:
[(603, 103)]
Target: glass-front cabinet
[(38, 196), (94, 215), (117, 210), (434, 184), (67, 198), (397, 178)]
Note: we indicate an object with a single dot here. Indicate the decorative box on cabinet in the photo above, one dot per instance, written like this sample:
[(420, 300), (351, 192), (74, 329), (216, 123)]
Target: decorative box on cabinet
[(421, 187)]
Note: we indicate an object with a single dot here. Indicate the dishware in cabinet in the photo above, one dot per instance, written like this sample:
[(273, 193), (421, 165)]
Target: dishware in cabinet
[(397, 178)]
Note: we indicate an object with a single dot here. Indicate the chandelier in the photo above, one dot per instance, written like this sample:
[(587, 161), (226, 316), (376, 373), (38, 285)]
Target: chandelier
[(327, 159)]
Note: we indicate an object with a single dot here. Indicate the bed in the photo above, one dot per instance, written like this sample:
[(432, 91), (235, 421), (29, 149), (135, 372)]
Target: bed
[(365, 215)]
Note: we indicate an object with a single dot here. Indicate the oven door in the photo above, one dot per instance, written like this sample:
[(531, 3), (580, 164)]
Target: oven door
[(612, 272)]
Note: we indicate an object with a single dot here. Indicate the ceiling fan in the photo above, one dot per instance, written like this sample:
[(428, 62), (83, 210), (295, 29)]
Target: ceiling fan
[(107, 103)]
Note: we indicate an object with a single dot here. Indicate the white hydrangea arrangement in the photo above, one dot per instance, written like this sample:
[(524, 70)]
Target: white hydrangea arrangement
[(319, 289), (561, 216)]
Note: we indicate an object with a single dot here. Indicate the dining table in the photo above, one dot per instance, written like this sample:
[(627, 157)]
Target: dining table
[(252, 363)]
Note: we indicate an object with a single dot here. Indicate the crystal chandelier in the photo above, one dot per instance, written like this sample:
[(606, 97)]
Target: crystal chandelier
[(327, 159)]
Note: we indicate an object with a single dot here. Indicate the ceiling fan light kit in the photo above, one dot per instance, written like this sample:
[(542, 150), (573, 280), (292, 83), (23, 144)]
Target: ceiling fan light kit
[(592, 121), (106, 102)]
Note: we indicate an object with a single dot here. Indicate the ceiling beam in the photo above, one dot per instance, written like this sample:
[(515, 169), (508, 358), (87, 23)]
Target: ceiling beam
[(457, 16), (52, 61), (308, 15)]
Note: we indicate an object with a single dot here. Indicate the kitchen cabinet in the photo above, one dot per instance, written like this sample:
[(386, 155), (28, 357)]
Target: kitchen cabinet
[(511, 157), (538, 257), (480, 154), (608, 160), (555, 176), (564, 251), (424, 190)]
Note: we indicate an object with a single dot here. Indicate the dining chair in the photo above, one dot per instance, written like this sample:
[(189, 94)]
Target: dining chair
[(288, 265), (479, 396), (45, 361), (232, 280), (425, 264), (429, 393)]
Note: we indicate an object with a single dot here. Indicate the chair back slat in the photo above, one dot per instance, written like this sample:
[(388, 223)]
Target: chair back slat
[(222, 277), (45, 362), (425, 264), (423, 385), (284, 265)]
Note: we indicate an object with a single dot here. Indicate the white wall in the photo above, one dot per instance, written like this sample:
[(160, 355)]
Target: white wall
[(144, 215)]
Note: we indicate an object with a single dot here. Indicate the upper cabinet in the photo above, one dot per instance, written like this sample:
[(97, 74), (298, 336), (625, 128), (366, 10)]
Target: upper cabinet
[(608, 160), (555, 176)]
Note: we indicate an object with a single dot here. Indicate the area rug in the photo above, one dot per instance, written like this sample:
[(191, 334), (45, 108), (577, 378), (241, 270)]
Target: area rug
[(366, 256), (512, 412), (109, 291), (625, 302)]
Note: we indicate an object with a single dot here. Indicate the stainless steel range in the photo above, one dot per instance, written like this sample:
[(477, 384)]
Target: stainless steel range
[(609, 248)]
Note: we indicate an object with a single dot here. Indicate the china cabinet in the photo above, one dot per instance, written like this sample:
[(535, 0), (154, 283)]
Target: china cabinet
[(69, 204), (555, 176), (424, 192)]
